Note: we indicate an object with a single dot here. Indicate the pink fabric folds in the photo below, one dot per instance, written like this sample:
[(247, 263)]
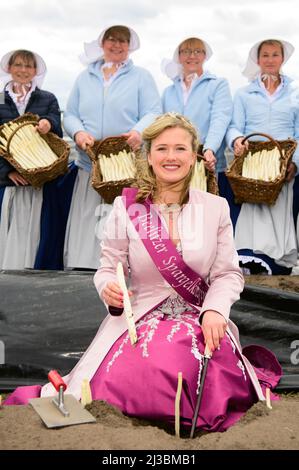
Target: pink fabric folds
[(22, 395), (266, 366), (142, 381)]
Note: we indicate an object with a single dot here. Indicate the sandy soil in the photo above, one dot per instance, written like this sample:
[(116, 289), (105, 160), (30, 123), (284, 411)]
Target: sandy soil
[(288, 283), (260, 428)]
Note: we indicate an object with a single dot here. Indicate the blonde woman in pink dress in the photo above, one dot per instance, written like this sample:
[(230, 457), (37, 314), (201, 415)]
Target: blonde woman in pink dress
[(177, 250)]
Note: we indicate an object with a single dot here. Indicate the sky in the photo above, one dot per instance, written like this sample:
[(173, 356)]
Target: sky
[(57, 30)]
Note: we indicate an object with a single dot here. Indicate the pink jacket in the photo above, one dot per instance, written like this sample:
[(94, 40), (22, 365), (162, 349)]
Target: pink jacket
[(208, 248)]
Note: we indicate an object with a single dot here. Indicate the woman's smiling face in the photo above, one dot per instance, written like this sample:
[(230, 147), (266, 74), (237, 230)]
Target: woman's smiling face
[(115, 49), (171, 155), (22, 71), (270, 59)]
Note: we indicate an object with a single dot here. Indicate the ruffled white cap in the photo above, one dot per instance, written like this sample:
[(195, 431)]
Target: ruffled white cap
[(252, 68), (172, 67), (94, 52), (41, 69)]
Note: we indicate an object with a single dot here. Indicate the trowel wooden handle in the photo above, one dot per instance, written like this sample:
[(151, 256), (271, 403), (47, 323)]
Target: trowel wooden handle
[(56, 380)]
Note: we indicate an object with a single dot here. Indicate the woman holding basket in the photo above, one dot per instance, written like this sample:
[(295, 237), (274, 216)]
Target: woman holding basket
[(265, 235), (23, 208), (112, 97), (202, 97)]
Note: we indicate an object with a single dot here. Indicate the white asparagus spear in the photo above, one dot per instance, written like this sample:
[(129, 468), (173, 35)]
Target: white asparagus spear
[(127, 304), (177, 404), (101, 165), (268, 398), (86, 396), (199, 179), (46, 154), (130, 159), (29, 148)]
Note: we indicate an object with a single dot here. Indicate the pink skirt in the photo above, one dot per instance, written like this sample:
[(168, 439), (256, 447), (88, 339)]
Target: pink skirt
[(142, 380)]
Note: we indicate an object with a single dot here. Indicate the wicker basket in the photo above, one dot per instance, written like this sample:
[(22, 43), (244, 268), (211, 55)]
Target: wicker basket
[(256, 191), (38, 176), (109, 190)]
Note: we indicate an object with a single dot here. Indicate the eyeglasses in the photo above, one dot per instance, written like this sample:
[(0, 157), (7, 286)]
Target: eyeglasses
[(20, 65), (115, 41), (188, 52)]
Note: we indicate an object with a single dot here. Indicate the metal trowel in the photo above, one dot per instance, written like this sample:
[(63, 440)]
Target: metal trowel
[(63, 410)]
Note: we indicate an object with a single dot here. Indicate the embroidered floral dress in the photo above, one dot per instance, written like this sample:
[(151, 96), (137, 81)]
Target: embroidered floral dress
[(142, 380)]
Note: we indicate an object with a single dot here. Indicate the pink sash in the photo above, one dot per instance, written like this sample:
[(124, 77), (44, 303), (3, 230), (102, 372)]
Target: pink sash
[(147, 222)]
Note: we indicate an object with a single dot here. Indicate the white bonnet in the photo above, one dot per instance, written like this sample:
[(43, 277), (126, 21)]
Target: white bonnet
[(41, 69), (252, 68), (172, 67), (93, 50)]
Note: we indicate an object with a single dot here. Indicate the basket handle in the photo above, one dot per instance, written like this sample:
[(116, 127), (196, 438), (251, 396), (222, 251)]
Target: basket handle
[(268, 137), (27, 123), (202, 158), (88, 150)]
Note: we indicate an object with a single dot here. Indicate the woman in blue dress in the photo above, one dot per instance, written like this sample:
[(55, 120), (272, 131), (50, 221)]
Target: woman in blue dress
[(265, 235), (111, 97), (202, 97)]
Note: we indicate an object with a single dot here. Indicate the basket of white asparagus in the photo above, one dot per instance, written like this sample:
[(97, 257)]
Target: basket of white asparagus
[(37, 157), (113, 167), (258, 175), (202, 178)]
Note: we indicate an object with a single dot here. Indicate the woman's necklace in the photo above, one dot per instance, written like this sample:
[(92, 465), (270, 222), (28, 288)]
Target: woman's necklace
[(169, 208), (170, 213)]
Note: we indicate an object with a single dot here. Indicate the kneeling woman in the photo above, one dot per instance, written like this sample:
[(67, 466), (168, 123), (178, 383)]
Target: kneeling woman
[(176, 245)]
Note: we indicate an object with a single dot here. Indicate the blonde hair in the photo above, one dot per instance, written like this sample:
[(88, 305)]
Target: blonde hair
[(146, 179), (192, 42)]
